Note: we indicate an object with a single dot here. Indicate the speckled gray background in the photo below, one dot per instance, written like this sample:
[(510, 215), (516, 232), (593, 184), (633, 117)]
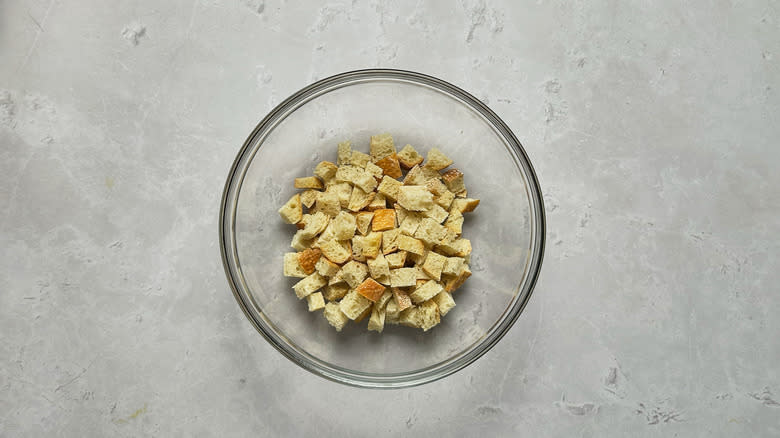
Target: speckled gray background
[(654, 130)]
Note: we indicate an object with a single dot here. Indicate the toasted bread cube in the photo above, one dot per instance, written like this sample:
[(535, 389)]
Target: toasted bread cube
[(353, 273), (374, 170), (419, 176), (415, 198), (309, 197), (453, 179), (344, 226), (385, 298), (304, 219), (462, 194), (326, 268), (315, 301), (299, 243), (365, 181), (345, 153), (424, 316), (410, 244), (384, 219), (377, 320), (335, 316), (363, 221), (409, 157), (434, 265), (389, 187), (309, 182), (389, 241), (333, 292), (402, 299), (326, 171), (309, 284), (379, 202), (392, 313), (370, 289), (360, 199), (359, 159), (410, 224), (324, 236), (430, 231), (421, 274), (449, 237), (364, 314), (336, 251), (445, 199), (328, 203), (444, 302), (308, 258), (403, 277), (348, 173), (378, 267), (384, 280), (437, 160), (465, 205), (400, 213), (292, 211), (367, 246), (292, 268), (395, 260), (381, 146), (454, 221), (416, 259), (428, 290), (342, 190), (372, 244), (436, 213), (336, 279), (454, 283), (459, 247), (453, 266), (435, 186), (353, 304), (315, 225), (390, 166)]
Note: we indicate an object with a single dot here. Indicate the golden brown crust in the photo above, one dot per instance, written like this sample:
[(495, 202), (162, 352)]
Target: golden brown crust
[(384, 219), (308, 259), (370, 289)]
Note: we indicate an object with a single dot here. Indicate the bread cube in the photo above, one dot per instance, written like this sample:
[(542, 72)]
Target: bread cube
[(437, 160), (292, 211), (335, 316), (354, 304), (315, 301), (403, 277), (353, 273), (309, 284), (370, 289), (381, 146), (425, 292), (292, 268), (409, 157), (309, 182), (415, 198), (384, 219)]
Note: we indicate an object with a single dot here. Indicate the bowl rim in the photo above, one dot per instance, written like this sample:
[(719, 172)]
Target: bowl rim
[(333, 372)]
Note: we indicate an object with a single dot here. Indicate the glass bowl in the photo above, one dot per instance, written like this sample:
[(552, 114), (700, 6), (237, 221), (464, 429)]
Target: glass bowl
[(507, 230)]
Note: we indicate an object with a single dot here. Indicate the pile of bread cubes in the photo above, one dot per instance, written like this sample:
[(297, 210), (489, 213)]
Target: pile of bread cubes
[(376, 246)]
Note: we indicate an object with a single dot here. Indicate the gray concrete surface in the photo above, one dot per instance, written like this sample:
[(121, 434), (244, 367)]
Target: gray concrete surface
[(653, 127)]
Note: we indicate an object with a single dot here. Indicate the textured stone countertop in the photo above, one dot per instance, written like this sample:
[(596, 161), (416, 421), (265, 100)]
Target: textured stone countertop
[(653, 128)]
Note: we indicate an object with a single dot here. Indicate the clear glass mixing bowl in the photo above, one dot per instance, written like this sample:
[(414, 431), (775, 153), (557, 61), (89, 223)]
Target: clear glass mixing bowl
[(507, 230)]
